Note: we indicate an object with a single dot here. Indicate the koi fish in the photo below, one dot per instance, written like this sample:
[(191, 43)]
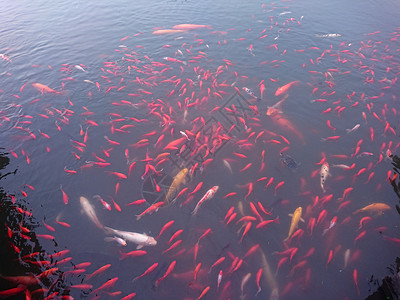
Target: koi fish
[(167, 31), (45, 89), (374, 207), (251, 93), (324, 172), (190, 26), (179, 179), (285, 88), (353, 129), (295, 221), (279, 118), (171, 59), (140, 239), (207, 196), (89, 211)]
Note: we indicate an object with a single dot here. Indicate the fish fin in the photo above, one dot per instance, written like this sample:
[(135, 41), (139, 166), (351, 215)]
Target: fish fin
[(301, 219), (290, 215), (139, 247), (108, 230)]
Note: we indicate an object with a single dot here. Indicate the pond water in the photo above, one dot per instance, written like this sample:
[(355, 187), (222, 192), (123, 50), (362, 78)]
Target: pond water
[(277, 120)]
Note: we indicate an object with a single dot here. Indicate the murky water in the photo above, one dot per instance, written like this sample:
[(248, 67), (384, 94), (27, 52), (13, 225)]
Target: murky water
[(123, 108)]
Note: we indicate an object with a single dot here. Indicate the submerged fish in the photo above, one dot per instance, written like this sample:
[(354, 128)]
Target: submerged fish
[(88, 209), (190, 26), (276, 115), (288, 161), (179, 179), (167, 31), (295, 221), (140, 239), (374, 207), (324, 173), (45, 89), (353, 129), (329, 35)]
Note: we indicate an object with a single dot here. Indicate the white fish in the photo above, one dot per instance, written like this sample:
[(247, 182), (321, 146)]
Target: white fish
[(184, 134), (341, 166), (88, 81), (329, 35), (227, 165), (245, 279), (88, 209), (137, 238), (324, 172), (79, 68), (353, 129)]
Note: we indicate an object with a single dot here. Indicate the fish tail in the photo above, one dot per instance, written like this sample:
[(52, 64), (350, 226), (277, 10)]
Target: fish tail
[(123, 255), (194, 212)]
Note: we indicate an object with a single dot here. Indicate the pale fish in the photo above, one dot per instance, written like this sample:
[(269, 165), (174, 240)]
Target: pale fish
[(324, 173), (137, 238), (88, 209)]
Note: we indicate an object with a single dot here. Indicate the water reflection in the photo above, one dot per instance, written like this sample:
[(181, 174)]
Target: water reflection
[(25, 267)]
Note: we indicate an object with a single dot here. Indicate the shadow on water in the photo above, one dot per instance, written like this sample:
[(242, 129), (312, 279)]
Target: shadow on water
[(25, 268), (390, 287)]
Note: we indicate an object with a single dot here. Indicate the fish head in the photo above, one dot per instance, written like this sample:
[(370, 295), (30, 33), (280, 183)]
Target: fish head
[(151, 241), (271, 111)]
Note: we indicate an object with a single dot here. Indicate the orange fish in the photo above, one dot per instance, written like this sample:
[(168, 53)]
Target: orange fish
[(167, 31), (45, 89), (278, 118), (190, 26), (285, 88)]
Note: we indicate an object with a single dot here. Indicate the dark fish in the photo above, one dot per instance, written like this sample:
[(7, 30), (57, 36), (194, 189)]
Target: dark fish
[(288, 161)]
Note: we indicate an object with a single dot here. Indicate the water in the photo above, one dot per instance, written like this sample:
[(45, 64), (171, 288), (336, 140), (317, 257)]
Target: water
[(129, 110)]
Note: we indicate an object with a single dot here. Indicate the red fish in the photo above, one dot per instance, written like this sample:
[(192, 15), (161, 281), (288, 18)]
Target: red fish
[(148, 271), (169, 270)]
